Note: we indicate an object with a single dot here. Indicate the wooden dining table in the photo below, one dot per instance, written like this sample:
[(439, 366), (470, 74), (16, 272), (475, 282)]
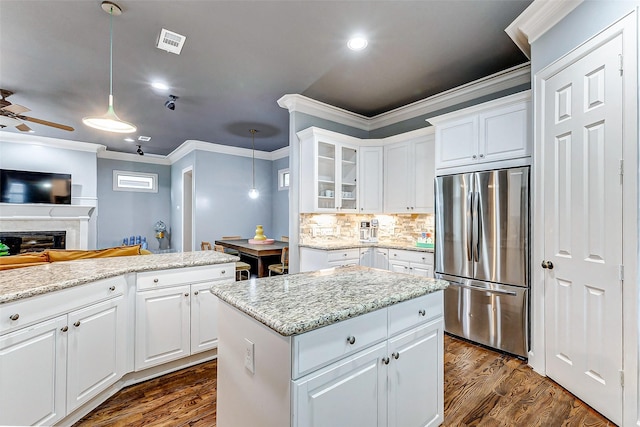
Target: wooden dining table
[(264, 254)]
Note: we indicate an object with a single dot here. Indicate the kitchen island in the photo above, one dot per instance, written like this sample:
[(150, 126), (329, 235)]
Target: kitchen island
[(337, 347)]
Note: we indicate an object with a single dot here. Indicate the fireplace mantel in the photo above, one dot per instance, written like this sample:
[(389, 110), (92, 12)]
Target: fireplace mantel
[(74, 219)]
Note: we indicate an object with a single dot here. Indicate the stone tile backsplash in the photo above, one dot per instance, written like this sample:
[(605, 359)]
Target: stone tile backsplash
[(329, 228)]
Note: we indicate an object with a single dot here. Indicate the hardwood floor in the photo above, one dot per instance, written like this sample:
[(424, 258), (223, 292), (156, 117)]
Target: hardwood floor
[(481, 388)]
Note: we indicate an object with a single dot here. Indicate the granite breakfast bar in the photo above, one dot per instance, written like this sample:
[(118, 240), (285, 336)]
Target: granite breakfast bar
[(336, 347)]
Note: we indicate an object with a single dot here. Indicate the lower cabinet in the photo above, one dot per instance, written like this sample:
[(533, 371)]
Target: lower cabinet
[(396, 383), (50, 368), (176, 315), (375, 258), (316, 259), (411, 262)]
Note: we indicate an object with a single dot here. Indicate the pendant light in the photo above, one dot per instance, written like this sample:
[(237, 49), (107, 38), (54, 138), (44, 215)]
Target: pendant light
[(253, 193), (110, 122)]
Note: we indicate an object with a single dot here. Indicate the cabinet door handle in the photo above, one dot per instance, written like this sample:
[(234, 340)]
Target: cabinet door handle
[(422, 312), (395, 355), (407, 207), (474, 157), (186, 294), (351, 340), (224, 271), (481, 156), (112, 288), (77, 324), (64, 328), (155, 280), (14, 316), (195, 293), (385, 360)]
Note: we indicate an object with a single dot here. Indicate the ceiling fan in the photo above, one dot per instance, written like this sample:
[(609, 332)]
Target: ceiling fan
[(11, 115)]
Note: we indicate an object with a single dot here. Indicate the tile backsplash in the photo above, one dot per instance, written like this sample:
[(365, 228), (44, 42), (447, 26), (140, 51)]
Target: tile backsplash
[(326, 228)]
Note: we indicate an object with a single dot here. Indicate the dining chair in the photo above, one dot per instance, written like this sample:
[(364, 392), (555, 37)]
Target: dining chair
[(205, 246), (283, 267), (284, 239), (241, 267)]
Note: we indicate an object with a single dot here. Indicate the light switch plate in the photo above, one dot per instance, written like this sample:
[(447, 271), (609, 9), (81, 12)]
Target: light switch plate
[(249, 356)]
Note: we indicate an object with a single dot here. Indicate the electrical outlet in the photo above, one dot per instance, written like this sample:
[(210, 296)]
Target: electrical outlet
[(249, 352)]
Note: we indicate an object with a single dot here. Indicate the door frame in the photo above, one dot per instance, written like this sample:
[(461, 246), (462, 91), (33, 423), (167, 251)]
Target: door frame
[(188, 210), (627, 26)]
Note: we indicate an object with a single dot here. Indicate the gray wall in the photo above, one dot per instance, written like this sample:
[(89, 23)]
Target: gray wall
[(279, 201), (125, 213), (222, 203)]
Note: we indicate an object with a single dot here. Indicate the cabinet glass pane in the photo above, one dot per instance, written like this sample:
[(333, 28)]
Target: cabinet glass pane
[(349, 168), (326, 176)]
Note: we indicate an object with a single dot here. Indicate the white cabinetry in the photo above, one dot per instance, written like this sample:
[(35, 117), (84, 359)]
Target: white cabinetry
[(328, 172), (409, 174), (370, 180), (316, 259), (379, 385), (375, 258), (59, 350), (411, 262), (494, 131), (174, 313)]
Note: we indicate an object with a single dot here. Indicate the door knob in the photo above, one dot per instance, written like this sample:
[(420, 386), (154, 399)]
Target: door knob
[(547, 264)]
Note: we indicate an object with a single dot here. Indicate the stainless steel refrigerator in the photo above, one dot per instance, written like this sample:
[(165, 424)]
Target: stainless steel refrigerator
[(482, 249)]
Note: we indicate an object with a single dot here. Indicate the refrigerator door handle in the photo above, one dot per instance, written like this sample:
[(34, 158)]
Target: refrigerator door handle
[(469, 225), (483, 289), (476, 228)]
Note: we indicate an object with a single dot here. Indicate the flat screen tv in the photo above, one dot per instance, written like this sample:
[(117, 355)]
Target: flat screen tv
[(34, 187)]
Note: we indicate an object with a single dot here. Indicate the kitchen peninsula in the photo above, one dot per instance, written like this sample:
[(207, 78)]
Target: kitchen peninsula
[(336, 347)]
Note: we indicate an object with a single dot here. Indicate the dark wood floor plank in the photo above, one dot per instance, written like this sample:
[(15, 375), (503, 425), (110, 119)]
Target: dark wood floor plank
[(481, 388)]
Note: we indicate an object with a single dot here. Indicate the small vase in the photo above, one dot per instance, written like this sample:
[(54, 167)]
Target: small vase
[(259, 233)]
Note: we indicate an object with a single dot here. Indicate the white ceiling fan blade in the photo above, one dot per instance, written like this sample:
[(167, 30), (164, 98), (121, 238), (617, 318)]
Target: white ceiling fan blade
[(16, 109)]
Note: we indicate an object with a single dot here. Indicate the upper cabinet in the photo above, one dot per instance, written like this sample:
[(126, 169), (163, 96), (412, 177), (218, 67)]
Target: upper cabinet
[(370, 184), (328, 172), (409, 174), (494, 131)]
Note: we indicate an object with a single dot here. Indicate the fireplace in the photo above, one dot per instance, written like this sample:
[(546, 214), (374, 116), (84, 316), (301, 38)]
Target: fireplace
[(33, 241)]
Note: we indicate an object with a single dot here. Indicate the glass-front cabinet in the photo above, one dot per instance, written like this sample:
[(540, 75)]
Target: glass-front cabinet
[(328, 172)]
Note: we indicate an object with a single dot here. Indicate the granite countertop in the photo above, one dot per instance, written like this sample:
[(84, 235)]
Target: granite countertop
[(297, 303), (27, 282), (329, 246)]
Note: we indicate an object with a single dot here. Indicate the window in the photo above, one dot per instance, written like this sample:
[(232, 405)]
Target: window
[(135, 181), (283, 179)]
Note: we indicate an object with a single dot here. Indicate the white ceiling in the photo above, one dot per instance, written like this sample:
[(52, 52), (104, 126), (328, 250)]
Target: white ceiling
[(239, 58)]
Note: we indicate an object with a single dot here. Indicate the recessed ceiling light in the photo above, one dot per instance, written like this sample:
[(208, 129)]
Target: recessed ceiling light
[(357, 43), (160, 85), (129, 139)]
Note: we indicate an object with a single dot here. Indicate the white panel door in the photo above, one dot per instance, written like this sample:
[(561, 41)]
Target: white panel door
[(370, 179), (162, 326), (349, 393), (416, 377), (204, 318), (425, 172), (33, 363), (397, 177), (96, 348), (583, 228)]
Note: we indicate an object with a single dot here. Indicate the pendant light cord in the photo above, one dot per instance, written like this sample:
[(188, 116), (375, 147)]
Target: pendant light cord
[(253, 156), (111, 52)]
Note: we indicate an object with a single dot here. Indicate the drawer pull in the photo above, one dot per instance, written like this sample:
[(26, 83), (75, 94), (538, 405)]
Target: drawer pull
[(77, 324), (385, 360), (422, 312), (224, 271), (351, 340), (186, 294), (195, 293), (64, 329), (395, 355), (155, 280), (14, 316), (112, 288)]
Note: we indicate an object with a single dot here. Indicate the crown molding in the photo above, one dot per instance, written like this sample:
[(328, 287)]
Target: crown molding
[(537, 19), (512, 77), (130, 157), (280, 153), (50, 142), (194, 145), (489, 105)]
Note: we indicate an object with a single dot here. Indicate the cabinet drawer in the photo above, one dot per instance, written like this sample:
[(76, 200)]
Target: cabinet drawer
[(420, 257), (41, 307), (178, 276), (409, 314), (344, 254), (323, 346)]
